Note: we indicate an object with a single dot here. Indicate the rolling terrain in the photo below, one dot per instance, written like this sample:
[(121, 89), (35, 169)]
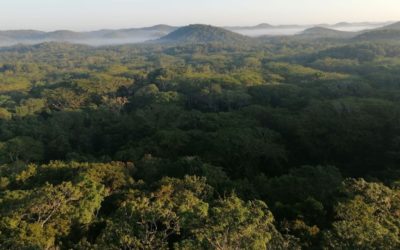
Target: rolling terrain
[(197, 33), (99, 37)]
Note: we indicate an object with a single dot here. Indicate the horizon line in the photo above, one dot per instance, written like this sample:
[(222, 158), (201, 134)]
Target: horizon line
[(221, 26)]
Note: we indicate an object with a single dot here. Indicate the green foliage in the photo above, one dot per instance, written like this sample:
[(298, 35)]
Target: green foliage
[(41, 215), (147, 221), (22, 148), (197, 33), (368, 218), (5, 114), (30, 107), (12, 83), (233, 224), (182, 146)]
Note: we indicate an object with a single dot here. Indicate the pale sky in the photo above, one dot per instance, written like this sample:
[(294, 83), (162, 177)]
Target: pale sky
[(97, 14)]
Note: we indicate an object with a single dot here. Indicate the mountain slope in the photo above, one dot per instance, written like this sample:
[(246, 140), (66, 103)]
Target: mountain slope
[(198, 33), (258, 26), (379, 35), (321, 32), (98, 37), (65, 35), (393, 26), (326, 32), (22, 34), (388, 32), (161, 28)]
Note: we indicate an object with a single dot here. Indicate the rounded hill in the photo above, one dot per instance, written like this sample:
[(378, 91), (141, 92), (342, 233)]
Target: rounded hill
[(198, 33)]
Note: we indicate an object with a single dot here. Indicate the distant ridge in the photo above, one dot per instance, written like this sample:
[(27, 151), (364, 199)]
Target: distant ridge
[(160, 27), (379, 35), (21, 34), (199, 33), (106, 36), (64, 35), (153, 33), (360, 24), (393, 26), (322, 32), (264, 26), (258, 26), (388, 32), (342, 24)]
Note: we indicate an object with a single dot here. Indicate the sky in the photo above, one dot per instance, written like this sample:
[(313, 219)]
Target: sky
[(83, 15)]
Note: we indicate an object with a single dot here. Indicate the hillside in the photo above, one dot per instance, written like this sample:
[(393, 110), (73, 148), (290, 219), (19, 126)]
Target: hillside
[(64, 35), (258, 26), (21, 34), (98, 37), (198, 33), (153, 31), (358, 24), (379, 35), (263, 26), (161, 28), (393, 26), (342, 24), (321, 32)]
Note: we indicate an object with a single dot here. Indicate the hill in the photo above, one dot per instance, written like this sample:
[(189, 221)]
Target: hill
[(379, 35), (161, 28), (388, 32), (65, 35), (258, 26), (393, 26), (322, 32), (98, 37), (359, 24), (152, 32), (21, 34), (263, 26), (198, 33), (343, 24)]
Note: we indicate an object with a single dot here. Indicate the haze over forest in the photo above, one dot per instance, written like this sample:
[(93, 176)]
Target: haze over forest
[(146, 34), (243, 134)]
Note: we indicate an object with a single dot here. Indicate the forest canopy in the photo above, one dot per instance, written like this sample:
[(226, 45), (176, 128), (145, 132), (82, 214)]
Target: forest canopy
[(284, 144)]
